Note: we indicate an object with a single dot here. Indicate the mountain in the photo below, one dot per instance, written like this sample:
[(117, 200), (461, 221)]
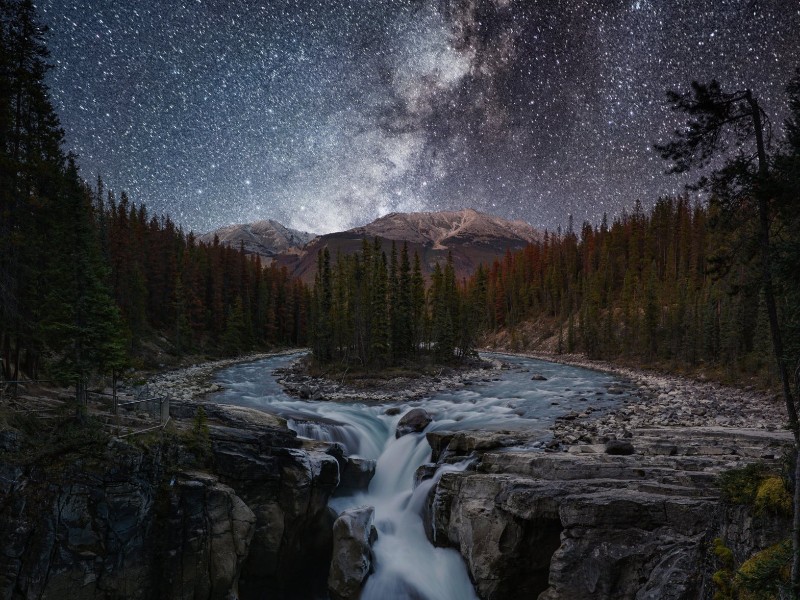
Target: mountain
[(266, 238), (471, 236)]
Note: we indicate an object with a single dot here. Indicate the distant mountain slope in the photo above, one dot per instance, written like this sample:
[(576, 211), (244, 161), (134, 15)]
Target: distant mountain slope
[(447, 228), (472, 237), (266, 238)]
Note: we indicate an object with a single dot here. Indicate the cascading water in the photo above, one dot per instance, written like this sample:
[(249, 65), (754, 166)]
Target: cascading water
[(406, 564)]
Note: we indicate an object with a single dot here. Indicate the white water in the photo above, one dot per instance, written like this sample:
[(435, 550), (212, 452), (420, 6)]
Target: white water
[(407, 565)]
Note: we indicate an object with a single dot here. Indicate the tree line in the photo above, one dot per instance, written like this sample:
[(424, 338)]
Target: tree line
[(680, 284), (88, 281), (640, 287)]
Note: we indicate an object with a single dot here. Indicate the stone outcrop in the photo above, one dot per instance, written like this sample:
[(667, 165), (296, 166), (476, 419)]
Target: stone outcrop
[(588, 524), (131, 521), (353, 536), (414, 421), (216, 525)]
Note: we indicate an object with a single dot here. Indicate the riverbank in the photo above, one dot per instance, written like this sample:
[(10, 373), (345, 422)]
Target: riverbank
[(651, 400), (196, 381), (662, 400)]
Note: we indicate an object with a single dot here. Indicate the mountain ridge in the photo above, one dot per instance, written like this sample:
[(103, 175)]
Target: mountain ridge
[(469, 236), (267, 237), (440, 226)]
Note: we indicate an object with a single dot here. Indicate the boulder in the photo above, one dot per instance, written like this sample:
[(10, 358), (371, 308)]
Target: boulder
[(356, 473), (538, 377), (352, 553), (619, 447), (414, 421)]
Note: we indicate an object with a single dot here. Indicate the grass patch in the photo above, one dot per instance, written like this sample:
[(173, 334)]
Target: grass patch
[(740, 486)]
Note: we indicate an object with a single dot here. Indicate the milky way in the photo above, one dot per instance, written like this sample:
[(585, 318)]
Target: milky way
[(324, 114)]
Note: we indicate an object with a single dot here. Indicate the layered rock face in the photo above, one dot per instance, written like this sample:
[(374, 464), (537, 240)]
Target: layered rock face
[(353, 536), (133, 522), (585, 524)]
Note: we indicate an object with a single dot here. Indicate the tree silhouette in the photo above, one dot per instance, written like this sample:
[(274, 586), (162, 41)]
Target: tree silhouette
[(728, 134)]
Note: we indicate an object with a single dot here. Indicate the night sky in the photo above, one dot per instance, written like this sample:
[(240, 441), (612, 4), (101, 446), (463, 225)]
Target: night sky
[(325, 114)]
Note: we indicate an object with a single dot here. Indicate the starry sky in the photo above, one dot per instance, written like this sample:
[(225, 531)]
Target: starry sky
[(325, 114)]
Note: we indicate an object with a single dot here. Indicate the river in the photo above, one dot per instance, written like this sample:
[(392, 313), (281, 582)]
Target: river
[(406, 564)]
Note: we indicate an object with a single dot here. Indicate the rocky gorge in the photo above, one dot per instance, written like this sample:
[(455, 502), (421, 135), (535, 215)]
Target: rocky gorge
[(616, 495)]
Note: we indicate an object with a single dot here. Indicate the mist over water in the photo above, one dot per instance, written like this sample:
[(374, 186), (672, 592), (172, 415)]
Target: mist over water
[(406, 564)]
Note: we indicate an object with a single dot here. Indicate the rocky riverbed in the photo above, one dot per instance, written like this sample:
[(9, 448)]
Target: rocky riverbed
[(373, 390), (196, 381), (649, 400)]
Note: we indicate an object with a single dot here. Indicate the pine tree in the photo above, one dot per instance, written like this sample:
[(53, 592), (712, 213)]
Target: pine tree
[(82, 322), (31, 173), (403, 306), (380, 335), (182, 329), (323, 292), (233, 339), (419, 313)]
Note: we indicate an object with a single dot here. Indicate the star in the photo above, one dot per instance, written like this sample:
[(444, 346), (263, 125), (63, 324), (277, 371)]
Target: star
[(325, 114)]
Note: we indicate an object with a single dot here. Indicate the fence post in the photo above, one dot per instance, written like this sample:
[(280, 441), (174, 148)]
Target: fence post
[(114, 391), (164, 417)]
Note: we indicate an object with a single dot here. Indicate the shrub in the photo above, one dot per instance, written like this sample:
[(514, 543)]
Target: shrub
[(740, 486), (765, 574), (772, 497)]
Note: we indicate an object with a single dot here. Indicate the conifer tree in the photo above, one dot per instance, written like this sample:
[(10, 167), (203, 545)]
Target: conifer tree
[(31, 171), (403, 307), (380, 335), (419, 313), (233, 339), (82, 321)]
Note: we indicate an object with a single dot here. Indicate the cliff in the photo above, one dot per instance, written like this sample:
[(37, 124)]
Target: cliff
[(148, 519)]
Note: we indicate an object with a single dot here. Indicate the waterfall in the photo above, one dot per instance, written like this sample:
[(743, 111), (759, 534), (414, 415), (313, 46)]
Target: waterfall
[(406, 564)]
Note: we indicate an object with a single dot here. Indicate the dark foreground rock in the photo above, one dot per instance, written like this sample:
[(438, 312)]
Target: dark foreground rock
[(590, 525), (148, 520), (353, 536)]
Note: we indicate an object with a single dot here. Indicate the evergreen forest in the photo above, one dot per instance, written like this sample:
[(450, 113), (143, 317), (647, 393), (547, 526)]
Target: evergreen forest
[(679, 286), (91, 283)]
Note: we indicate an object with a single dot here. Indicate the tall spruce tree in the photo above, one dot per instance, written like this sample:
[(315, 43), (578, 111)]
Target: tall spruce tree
[(82, 323), (419, 313), (743, 190), (31, 170), (403, 308), (379, 315)]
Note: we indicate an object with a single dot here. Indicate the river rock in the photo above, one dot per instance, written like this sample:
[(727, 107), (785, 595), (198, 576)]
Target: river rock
[(414, 421), (447, 445), (356, 473), (538, 377), (352, 550), (619, 447)]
